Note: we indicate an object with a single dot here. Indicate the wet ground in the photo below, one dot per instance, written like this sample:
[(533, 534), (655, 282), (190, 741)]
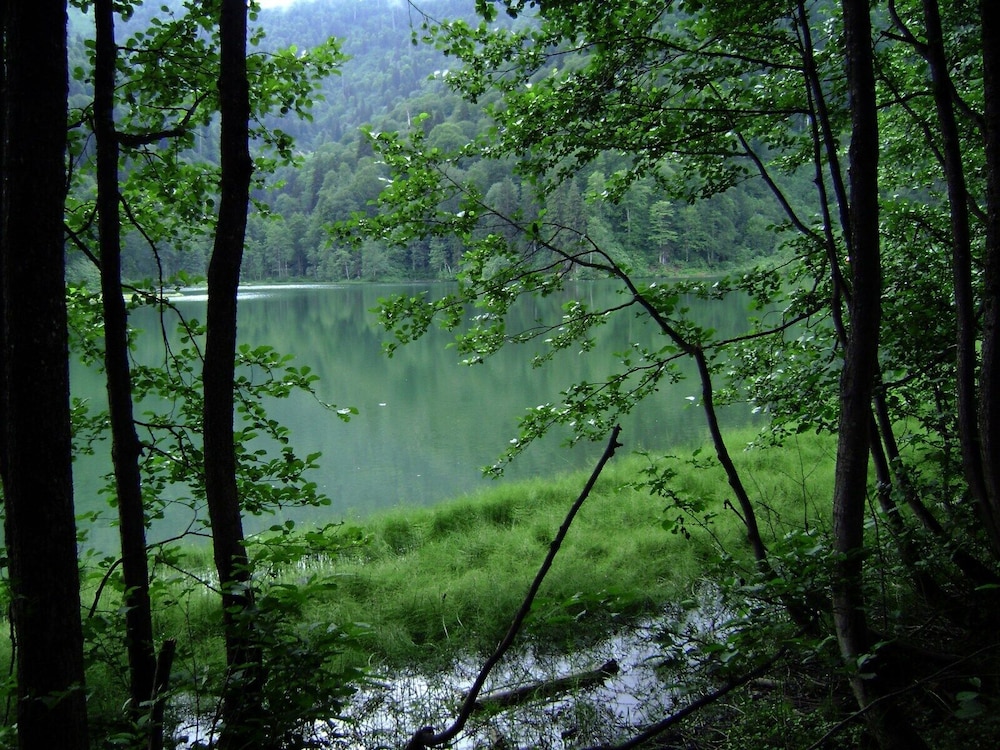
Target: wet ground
[(653, 658)]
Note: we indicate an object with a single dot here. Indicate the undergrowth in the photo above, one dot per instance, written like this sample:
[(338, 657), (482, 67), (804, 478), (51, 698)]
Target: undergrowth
[(422, 587), (434, 583)]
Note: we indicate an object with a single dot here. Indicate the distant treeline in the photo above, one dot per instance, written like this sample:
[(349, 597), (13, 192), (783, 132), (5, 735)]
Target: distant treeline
[(388, 83)]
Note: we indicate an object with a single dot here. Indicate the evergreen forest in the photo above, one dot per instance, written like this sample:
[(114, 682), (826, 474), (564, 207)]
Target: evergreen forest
[(827, 578), (385, 83)]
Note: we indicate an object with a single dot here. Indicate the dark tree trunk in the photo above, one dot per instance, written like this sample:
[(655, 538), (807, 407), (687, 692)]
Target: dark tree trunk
[(857, 387), (40, 525), (857, 379), (125, 444), (989, 381), (961, 250), (242, 688), (748, 514)]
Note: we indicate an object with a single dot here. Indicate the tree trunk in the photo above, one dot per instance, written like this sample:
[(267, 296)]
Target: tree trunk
[(989, 381), (125, 444), (961, 250), (241, 693), (856, 389), (37, 449)]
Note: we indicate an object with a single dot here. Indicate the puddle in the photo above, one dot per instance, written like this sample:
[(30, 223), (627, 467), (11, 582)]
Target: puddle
[(386, 712)]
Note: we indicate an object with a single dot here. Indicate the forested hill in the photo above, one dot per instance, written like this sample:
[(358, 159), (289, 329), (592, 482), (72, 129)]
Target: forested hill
[(386, 84), (385, 66)]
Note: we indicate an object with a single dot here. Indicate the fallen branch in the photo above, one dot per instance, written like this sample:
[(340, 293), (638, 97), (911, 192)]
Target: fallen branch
[(425, 737), (661, 726), (546, 688)]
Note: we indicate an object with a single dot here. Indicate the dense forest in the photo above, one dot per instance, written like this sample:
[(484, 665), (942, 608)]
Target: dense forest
[(391, 84)]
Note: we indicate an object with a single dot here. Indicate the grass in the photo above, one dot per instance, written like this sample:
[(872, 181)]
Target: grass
[(420, 587), (432, 583), (417, 588)]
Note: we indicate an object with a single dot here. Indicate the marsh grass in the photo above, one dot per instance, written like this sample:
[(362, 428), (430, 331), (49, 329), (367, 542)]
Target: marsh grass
[(420, 588), (432, 583), (435, 583)]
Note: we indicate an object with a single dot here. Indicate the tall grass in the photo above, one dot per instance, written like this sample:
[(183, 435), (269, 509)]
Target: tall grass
[(431, 583), (428, 585)]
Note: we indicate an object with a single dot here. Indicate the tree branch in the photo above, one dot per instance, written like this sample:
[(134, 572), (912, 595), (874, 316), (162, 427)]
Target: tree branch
[(426, 737)]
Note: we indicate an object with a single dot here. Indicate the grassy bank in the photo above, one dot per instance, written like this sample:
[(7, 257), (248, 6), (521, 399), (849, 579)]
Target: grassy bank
[(419, 587), (431, 583), (437, 581)]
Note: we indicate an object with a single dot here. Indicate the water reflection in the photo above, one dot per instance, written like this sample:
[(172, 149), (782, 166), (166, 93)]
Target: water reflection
[(427, 424)]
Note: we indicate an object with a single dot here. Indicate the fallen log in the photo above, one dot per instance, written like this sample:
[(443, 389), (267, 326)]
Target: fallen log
[(546, 688)]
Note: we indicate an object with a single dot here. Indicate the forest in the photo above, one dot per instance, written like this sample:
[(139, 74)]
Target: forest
[(384, 84), (834, 164)]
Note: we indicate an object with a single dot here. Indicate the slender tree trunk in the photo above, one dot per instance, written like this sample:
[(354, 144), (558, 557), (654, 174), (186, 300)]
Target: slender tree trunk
[(749, 515), (857, 387), (961, 248), (241, 695), (976, 571), (802, 614), (3, 231), (989, 381), (830, 145), (37, 449), (125, 450)]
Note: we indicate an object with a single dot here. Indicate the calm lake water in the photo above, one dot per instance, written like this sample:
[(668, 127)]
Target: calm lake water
[(427, 424)]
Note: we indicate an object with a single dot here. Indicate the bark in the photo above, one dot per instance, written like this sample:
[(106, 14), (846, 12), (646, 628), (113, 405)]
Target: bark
[(543, 689), (961, 248), (989, 381), (857, 387), (241, 692), (125, 446), (3, 231), (158, 698), (40, 525)]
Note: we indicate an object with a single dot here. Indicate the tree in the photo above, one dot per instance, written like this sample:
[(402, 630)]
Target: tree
[(857, 382), (164, 79), (126, 448), (663, 234), (699, 97), (989, 414), (241, 697), (35, 444)]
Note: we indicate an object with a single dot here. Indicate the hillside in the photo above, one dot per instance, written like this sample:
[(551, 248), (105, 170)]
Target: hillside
[(392, 81)]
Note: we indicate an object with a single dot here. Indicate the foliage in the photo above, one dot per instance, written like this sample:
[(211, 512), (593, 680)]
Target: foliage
[(387, 83), (168, 97), (167, 119), (690, 100), (621, 141)]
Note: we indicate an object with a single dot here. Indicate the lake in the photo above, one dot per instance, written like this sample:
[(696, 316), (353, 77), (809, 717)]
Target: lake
[(427, 423)]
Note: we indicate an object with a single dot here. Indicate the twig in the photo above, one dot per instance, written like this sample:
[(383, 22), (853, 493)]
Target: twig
[(425, 737), (664, 724)]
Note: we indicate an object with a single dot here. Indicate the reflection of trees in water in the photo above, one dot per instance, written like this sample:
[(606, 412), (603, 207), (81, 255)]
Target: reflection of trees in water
[(386, 713), (427, 424)]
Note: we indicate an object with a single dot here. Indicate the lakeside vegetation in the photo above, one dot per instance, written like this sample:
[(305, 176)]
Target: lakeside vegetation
[(422, 587), (858, 142)]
